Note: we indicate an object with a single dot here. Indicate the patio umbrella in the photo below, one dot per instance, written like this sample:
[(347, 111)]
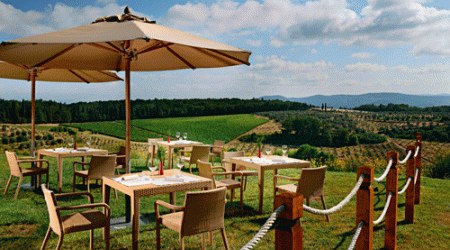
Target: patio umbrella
[(122, 42), (22, 72)]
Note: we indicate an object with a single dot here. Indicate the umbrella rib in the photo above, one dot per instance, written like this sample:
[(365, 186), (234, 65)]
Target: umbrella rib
[(56, 55), (77, 75), (179, 57), (225, 55), (151, 48), (115, 49)]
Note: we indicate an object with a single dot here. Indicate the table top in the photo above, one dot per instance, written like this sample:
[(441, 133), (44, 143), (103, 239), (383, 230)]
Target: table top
[(70, 152), (270, 162), (178, 143), (152, 189)]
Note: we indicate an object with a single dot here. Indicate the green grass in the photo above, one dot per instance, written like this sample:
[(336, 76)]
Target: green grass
[(205, 129), (23, 222)]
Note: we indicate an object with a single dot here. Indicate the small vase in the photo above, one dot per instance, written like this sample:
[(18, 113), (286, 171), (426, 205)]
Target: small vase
[(168, 139), (259, 152), (75, 144), (161, 168)]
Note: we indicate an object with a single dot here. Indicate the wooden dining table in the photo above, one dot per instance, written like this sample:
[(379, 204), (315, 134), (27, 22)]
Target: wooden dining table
[(271, 162), (134, 192), (175, 144), (62, 153)]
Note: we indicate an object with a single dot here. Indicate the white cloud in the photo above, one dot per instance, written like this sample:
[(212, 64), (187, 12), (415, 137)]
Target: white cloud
[(276, 43), (313, 51), (255, 43), (364, 67), (363, 55)]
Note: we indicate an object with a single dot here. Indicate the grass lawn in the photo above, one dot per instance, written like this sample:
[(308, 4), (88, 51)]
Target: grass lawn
[(23, 222)]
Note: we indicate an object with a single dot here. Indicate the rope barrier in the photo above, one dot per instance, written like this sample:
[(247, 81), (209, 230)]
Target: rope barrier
[(415, 177), (264, 229), (406, 186), (385, 171), (386, 206), (417, 152), (355, 237), (338, 206), (406, 158)]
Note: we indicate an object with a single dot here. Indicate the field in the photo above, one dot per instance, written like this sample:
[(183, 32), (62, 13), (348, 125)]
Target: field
[(25, 228)]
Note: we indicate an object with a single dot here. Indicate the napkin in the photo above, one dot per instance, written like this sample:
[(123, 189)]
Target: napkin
[(129, 177)]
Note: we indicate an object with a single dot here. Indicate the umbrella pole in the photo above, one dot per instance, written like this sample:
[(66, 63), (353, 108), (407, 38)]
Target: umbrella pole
[(127, 112), (33, 119)]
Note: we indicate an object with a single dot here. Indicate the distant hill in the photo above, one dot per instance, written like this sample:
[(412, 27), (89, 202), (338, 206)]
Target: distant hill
[(351, 101)]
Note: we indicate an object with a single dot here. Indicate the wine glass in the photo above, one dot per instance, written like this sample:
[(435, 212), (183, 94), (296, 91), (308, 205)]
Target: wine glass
[(180, 164), (152, 168), (88, 142), (178, 135), (268, 150), (185, 135), (70, 142), (284, 149)]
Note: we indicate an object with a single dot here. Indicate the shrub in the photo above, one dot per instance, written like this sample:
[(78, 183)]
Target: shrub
[(5, 140), (440, 168), (50, 137), (38, 137), (12, 140), (53, 142), (18, 132), (59, 141)]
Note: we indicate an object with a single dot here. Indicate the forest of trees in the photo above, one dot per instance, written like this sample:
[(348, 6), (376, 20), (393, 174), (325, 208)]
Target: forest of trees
[(402, 108), (12, 111)]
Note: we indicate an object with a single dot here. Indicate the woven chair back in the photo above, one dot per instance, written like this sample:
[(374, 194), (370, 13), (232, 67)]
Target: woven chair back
[(311, 182), (220, 145), (204, 211), (121, 160), (227, 158), (13, 164), (55, 220), (101, 165), (199, 153), (204, 170)]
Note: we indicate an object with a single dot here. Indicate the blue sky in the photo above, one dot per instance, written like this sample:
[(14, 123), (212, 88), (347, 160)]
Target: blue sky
[(299, 48)]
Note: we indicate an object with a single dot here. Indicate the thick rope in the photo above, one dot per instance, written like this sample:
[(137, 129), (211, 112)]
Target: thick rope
[(417, 152), (338, 206), (415, 177), (406, 158), (406, 186), (264, 229), (385, 171), (355, 237), (386, 206)]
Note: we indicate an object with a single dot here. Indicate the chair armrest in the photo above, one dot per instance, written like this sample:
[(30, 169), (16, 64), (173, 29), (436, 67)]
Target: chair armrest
[(121, 156), (34, 160), (218, 167), (85, 206), (229, 173), (225, 161), (286, 177), (26, 158), (113, 153), (90, 196), (167, 205), (83, 164)]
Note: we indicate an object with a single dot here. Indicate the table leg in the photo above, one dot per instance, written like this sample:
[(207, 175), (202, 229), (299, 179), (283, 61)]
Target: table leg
[(172, 200), (170, 165), (106, 190), (60, 172), (261, 189), (153, 154), (127, 208), (135, 210)]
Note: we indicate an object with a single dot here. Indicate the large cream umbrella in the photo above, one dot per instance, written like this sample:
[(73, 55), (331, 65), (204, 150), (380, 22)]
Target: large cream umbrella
[(22, 72), (123, 42)]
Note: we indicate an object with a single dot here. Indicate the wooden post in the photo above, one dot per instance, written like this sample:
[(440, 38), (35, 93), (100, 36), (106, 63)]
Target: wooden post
[(409, 199), (364, 208), (390, 235), (418, 167), (288, 230)]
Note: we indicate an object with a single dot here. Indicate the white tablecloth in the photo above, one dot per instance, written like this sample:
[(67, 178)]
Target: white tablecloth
[(258, 160), (135, 180)]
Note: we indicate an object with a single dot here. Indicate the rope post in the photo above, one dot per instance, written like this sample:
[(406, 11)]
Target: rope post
[(364, 208), (288, 231), (390, 234), (409, 199), (418, 167)]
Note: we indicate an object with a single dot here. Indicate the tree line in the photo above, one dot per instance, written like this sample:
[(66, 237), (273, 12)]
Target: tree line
[(402, 108), (13, 111)]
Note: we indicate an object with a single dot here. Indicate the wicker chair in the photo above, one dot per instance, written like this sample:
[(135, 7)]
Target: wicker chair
[(195, 217), (205, 170), (200, 152), (152, 148), (216, 150), (226, 163), (310, 184), (16, 170), (99, 166), (88, 219), (121, 158)]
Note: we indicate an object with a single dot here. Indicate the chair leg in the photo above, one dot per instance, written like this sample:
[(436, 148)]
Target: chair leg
[(181, 243), (91, 239), (18, 188), (327, 217), (46, 238), (148, 157), (245, 182), (38, 183), (190, 169), (210, 238), (47, 178), (7, 185), (107, 235), (242, 200), (158, 235), (73, 185), (60, 241), (203, 241), (224, 237), (88, 185)]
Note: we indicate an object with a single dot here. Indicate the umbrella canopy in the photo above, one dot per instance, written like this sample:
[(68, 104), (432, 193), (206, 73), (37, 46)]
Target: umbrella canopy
[(122, 42), (21, 72)]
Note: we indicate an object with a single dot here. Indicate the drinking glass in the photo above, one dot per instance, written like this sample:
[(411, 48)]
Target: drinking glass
[(185, 135), (178, 135), (268, 150), (284, 149), (70, 142), (152, 168), (180, 164)]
